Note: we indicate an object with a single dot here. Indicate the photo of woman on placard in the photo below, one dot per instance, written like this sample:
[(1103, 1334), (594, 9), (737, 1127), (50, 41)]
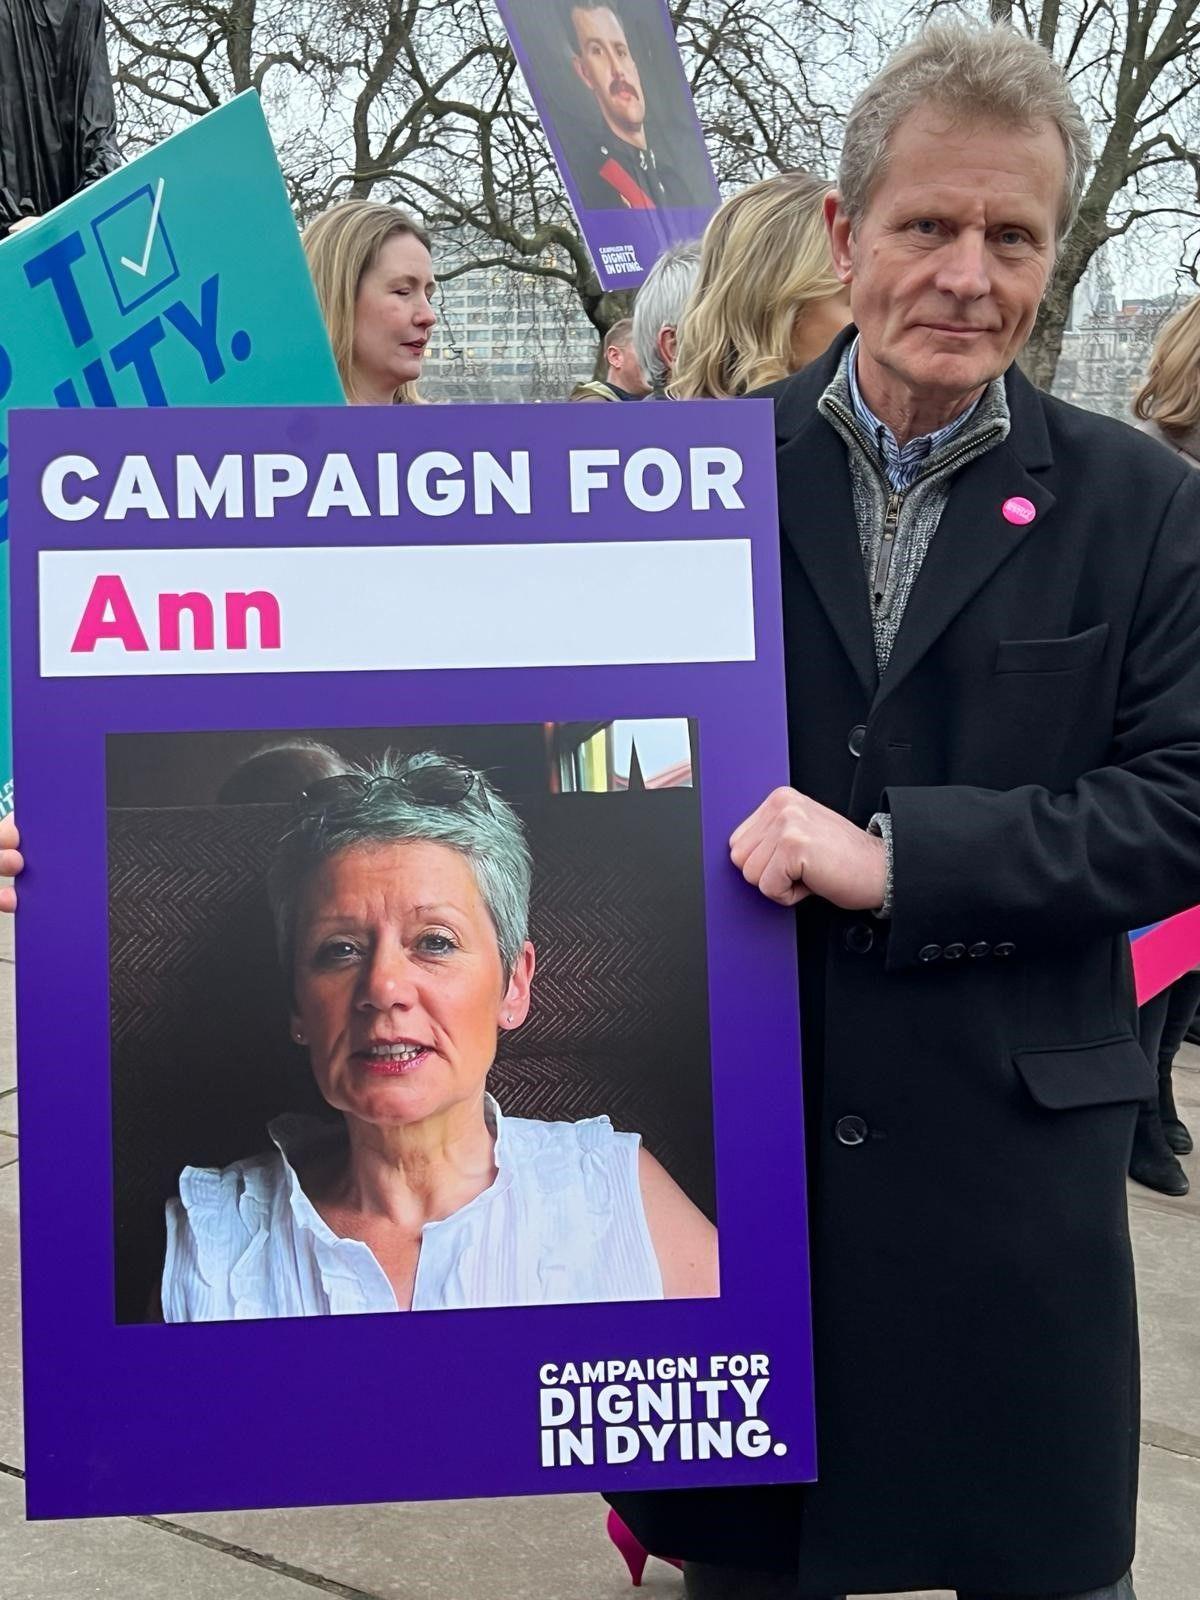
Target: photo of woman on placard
[(400, 895)]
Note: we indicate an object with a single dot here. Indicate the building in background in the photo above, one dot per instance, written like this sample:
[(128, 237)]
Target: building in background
[(1105, 352), (505, 335)]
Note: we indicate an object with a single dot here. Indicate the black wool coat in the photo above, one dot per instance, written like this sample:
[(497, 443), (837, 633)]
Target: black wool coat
[(971, 1066)]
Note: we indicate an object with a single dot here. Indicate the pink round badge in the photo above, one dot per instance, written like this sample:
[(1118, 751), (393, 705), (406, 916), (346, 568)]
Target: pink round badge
[(1018, 510)]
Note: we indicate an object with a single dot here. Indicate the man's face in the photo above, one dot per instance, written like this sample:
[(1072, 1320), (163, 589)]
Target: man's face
[(605, 64), (948, 264)]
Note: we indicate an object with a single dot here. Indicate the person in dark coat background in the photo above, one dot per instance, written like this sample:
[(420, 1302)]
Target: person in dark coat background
[(57, 118), (1168, 409), (992, 615)]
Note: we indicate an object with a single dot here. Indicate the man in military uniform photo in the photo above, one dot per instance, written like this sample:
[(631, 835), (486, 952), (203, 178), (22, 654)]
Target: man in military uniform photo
[(620, 166)]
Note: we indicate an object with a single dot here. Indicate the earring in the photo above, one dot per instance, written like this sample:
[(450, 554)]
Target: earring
[(299, 1037), (508, 1018)]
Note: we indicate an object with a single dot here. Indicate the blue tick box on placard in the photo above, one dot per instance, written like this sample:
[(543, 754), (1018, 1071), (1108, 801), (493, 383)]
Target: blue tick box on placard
[(134, 246)]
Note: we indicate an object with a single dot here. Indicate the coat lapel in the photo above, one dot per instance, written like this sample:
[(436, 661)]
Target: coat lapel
[(816, 511), (974, 537), (817, 516)]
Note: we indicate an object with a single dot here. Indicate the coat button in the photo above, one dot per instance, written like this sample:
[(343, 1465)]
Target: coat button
[(955, 951), (858, 938), (857, 738), (929, 952), (982, 948), (850, 1130), (1004, 948)]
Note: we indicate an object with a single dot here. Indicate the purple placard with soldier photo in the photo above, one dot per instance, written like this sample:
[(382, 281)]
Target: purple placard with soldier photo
[(430, 1124), (609, 86)]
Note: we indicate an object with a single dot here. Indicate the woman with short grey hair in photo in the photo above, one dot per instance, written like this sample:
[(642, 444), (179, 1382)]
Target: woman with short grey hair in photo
[(400, 896)]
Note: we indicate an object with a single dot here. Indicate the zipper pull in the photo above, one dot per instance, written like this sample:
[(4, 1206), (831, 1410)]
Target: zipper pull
[(883, 561)]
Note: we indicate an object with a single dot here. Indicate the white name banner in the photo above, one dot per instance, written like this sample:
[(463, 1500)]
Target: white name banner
[(154, 613)]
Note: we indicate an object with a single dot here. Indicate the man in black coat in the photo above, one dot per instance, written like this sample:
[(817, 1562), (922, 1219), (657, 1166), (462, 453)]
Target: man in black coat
[(992, 613)]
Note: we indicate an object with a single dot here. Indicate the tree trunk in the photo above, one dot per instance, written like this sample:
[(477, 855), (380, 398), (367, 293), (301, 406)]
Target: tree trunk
[(1039, 359), (603, 307), (241, 44)]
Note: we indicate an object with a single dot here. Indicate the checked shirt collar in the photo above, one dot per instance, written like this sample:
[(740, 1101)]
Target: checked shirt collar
[(902, 463)]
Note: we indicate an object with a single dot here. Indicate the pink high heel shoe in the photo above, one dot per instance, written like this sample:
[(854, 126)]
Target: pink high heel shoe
[(634, 1552)]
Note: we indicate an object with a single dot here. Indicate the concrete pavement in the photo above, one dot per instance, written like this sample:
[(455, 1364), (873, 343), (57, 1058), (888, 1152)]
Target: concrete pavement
[(548, 1549)]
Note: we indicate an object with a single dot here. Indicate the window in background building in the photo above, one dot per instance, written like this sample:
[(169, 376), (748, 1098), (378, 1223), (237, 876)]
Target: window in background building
[(609, 757)]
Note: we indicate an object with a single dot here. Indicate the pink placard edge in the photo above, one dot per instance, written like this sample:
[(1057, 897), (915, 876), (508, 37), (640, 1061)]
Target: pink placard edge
[(1164, 954)]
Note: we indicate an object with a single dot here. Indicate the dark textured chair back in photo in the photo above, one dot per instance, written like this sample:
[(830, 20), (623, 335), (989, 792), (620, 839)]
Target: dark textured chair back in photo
[(201, 1058)]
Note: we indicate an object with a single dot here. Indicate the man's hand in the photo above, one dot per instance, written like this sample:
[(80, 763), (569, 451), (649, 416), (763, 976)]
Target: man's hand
[(792, 847), (11, 862)]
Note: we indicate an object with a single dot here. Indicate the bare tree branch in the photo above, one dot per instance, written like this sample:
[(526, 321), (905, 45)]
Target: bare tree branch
[(419, 102)]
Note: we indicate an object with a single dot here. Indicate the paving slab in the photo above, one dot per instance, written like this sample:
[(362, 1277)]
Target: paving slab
[(8, 1053), (1168, 1559), (8, 1112), (119, 1559), (550, 1548), (8, 930), (1185, 1080), (1167, 1253), (12, 1448)]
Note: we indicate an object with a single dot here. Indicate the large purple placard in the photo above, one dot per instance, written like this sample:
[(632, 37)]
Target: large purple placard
[(610, 88), (545, 637)]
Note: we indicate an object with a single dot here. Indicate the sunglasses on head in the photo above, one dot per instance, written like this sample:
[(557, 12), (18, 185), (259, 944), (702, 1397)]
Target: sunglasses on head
[(444, 783)]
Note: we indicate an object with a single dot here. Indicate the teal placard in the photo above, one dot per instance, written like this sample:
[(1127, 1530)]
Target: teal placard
[(177, 281)]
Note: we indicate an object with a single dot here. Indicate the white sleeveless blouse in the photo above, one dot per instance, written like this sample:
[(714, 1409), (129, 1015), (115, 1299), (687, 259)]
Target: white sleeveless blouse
[(562, 1223)]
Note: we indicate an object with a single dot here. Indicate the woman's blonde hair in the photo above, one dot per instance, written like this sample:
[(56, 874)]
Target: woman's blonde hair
[(342, 244), (1170, 396), (764, 258)]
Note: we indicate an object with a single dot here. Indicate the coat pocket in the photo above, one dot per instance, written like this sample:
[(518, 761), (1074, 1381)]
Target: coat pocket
[(1100, 1074), (1052, 655)]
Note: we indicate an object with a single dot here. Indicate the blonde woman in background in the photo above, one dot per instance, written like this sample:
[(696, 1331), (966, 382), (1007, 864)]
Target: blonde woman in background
[(373, 274), (767, 300), (1168, 403)]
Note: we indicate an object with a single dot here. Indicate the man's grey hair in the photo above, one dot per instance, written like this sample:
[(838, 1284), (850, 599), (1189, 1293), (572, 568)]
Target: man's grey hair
[(659, 304), (977, 73), (482, 826)]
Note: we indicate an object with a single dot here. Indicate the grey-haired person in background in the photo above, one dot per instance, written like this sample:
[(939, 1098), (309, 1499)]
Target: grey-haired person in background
[(658, 312)]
